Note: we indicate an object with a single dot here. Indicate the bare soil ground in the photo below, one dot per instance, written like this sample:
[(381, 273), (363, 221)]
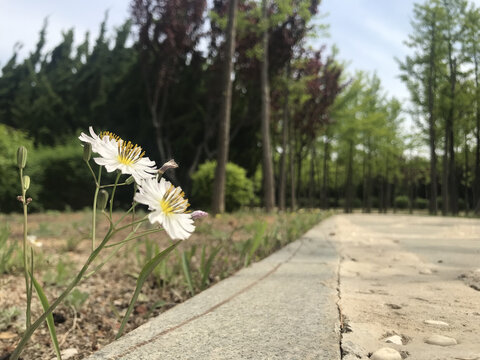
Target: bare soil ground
[(83, 328)]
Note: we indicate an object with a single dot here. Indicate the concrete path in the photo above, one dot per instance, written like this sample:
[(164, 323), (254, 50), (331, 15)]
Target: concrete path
[(350, 286), (409, 283), (283, 307)]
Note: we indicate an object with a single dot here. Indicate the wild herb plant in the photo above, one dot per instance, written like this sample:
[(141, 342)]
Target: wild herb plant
[(168, 210), (7, 251)]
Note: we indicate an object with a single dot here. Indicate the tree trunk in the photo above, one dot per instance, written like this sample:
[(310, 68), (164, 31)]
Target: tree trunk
[(218, 201), (349, 180), (431, 125), (445, 171), (293, 199), (465, 176), (476, 185), (268, 181), (285, 126), (311, 187), (326, 158)]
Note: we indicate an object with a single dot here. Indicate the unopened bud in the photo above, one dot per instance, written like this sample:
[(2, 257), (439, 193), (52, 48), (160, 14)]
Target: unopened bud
[(20, 198), (29, 200), (21, 157), (26, 182), (102, 199), (171, 164), (197, 214), (130, 180), (87, 152)]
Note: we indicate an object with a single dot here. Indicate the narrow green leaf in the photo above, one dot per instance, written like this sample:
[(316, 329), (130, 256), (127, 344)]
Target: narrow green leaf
[(208, 266), (50, 323), (142, 277), (202, 261), (187, 272)]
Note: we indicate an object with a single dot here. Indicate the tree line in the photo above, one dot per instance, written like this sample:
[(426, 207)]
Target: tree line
[(239, 81)]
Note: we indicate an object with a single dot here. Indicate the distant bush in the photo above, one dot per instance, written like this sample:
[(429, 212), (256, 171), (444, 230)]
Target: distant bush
[(56, 171), (401, 202), (10, 140), (421, 203), (238, 188)]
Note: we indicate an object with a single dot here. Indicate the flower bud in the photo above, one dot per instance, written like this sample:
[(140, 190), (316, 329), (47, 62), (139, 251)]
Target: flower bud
[(29, 200), (171, 164), (197, 214), (26, 182), (102, 199), (21, 157), (129, 180), (20, 198), (87, 152)]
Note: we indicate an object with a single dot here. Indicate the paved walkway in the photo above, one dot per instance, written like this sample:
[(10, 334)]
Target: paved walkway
[(411, 277), (283, 307)]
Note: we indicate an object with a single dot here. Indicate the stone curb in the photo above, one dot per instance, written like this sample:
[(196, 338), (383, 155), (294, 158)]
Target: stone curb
[(283, 307)]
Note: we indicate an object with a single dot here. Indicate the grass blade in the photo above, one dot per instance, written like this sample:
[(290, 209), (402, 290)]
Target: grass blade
[(50, 323), (187, 272), (142, 277), (208, 265)]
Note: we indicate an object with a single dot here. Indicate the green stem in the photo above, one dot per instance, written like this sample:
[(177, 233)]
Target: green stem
[(132, 208), (121, 243), (113, 193), (147, 232), (25, 256), (97, 182), (28, 333), (133, 223), (94, 209), (111, 185)]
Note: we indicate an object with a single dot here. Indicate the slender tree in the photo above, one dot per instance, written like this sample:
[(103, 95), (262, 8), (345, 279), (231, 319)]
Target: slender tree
[(218, 203), (268, 180)]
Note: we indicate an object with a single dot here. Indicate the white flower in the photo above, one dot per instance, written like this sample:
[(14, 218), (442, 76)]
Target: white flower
[(117, 154), (33, 240), (168, 207), (100, 140)]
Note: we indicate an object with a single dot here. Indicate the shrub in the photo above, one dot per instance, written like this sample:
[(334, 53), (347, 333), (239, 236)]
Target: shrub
[(238, 188), (421, 203), (10, 140), (401, 202), (59, 169)]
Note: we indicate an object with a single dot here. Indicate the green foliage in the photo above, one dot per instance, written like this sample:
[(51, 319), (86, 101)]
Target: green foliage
[(56, 171), (76, 299), (60, 275), (7, 315), (252, 244), (421, 203), (187, 273), (402, 202), (238, 188), (7, 251), (10, 140)]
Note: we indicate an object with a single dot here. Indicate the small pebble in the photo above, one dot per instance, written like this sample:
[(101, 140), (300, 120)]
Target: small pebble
[(386, 354), (435, 322), (67, 353), (425, 271), (441, 340), (394, 306), (394, 339)]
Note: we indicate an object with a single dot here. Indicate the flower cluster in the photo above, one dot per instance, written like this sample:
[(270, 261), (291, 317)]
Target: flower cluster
[(167, 202)]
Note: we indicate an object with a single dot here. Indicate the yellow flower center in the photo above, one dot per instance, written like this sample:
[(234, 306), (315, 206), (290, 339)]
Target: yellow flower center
[(128, 153), (110, 135), (173, 201)]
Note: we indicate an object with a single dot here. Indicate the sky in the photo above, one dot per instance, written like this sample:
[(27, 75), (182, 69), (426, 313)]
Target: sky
[(369, 34)]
